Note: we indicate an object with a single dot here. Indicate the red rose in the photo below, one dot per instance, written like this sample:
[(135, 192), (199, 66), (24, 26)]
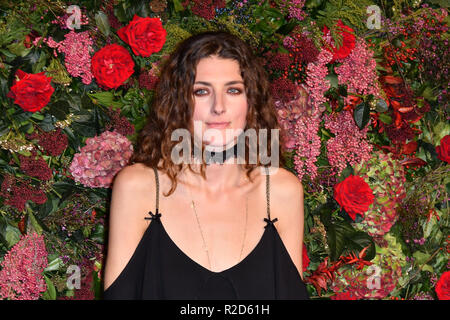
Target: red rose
[(443, 150), (305, 258), (31, 91), (354, 195), (443, 286), (144, 35), (348, 41), (112, 66)]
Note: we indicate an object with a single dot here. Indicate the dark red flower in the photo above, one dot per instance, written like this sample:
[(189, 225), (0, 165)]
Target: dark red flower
[(112, 66), (53, 142), (305, 258), (348, 41), (443, 150), (30, 91), (443, 286), (344, 296), (354, 195), (144, 35), (37, 168)]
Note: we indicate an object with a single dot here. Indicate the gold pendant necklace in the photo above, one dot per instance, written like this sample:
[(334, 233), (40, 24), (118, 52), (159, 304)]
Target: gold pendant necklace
[(205, 247)]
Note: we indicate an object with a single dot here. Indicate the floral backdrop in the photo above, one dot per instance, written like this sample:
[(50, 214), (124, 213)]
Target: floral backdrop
[(361, 88)]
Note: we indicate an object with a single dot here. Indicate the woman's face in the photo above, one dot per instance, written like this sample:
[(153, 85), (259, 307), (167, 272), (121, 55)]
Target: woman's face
[(220, 101)]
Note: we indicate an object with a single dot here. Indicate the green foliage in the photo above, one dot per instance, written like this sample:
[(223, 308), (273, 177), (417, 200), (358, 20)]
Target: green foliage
[(352, 13)]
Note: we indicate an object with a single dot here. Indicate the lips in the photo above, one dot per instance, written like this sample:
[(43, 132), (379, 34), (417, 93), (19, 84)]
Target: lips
[(217, 125)]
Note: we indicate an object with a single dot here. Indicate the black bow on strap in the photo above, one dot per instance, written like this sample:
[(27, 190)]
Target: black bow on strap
[(271, 222), (153, 215)]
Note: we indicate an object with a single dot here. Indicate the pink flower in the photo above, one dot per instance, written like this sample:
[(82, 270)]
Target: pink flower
[(76, 48), (288, 113), (316, 82), (100, 159), (21, 275), (349, 145), (358, 71), (308, 145)]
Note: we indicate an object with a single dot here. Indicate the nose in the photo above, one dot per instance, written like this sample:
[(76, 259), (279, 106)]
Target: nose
[(218, 105)]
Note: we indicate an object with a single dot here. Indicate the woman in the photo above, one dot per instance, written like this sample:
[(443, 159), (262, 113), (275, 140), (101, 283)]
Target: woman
[(223, 229)]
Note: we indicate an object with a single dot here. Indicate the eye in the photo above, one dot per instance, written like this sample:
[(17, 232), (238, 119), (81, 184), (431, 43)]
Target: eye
[(199, 90), (236, 90)]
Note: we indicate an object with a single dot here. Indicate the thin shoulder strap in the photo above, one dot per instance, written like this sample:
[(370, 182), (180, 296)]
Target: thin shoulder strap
[(268, 219), (155, 215), (268, 193), (157, 188)]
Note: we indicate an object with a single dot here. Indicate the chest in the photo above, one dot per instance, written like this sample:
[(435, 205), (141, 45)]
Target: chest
[(215, 233)]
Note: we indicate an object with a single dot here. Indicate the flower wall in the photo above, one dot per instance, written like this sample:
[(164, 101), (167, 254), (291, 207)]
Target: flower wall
[(361, 89)]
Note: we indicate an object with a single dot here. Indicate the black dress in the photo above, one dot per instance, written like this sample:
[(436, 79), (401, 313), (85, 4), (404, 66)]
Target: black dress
[(158, 269)]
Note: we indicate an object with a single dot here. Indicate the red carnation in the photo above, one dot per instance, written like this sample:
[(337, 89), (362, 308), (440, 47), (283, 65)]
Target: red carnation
[(443, 150), (354, 195), (31, 91), (144, 35), (112, 66), (443, 286), (348, 41)]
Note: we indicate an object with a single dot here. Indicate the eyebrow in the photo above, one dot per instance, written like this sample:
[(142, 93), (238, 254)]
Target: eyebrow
[(209, 84)]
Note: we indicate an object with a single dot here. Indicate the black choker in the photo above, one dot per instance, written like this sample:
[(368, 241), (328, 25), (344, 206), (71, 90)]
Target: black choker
[(218, 156)]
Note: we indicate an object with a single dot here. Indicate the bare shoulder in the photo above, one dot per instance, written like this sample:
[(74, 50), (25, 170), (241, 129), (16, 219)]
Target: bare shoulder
[(286, 197), (285, 184), (135, 176), (129, 206)]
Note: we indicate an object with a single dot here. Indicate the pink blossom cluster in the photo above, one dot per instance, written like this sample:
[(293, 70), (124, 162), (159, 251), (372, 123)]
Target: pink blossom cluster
[(76, 48), (288, 114), (294, 8), (21, 275), (316, 82), (308, 145), (100, 159), (358, 71), (349, 144)]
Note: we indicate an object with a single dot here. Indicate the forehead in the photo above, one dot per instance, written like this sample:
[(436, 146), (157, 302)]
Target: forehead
[(218, 68)]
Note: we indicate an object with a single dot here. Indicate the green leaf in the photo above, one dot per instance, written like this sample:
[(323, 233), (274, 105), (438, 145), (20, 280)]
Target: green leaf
[(333, 79), (54, 265), (12, 235), (385, 118), (47, 124), (105, 98), (60, 109), (358, 240), (19, 49), (381, 106), (84, 130), (101, 19), (50, 293), (34, 223), (38, 67), (98, 234), (286, 28), (361, 115), (177, 5), (421, 257), (427, 267)]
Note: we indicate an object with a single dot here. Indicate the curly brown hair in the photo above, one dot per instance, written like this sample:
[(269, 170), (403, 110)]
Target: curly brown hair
[(173, 103)]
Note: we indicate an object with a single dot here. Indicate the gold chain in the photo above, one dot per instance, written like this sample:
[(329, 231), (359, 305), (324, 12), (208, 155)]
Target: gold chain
[(201, 231)]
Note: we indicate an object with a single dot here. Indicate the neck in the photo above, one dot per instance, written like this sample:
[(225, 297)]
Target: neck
[(220, 178)]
